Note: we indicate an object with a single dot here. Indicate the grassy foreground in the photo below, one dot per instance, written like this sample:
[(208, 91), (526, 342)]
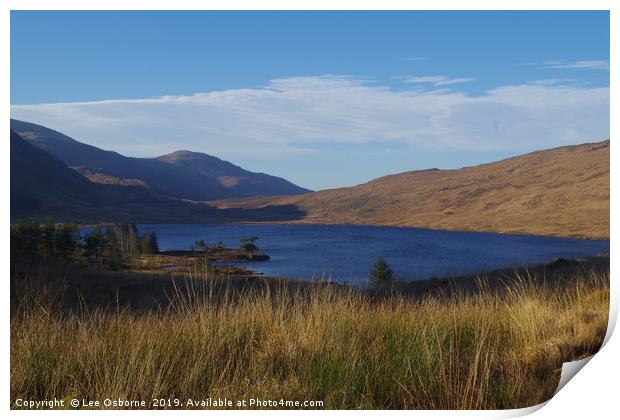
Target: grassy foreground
[(497, 348)]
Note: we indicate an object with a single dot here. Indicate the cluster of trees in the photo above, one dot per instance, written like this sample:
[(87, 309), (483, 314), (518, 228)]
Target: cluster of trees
[(247, 244), (49, 241), (201, 245), (110, 247), (62, 242)]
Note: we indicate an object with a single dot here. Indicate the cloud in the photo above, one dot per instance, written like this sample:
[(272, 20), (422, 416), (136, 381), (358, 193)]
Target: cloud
[(285, 116), (455, 80), (435, 80), (549, 82), (578, 65)]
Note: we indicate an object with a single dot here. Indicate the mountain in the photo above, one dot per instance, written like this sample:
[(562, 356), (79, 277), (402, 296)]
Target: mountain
[(561, 192), (42, 186), (39, 180), (182, 174), (234, 180)]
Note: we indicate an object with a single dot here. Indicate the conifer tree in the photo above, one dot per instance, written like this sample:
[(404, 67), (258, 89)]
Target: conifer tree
[(381, 275)]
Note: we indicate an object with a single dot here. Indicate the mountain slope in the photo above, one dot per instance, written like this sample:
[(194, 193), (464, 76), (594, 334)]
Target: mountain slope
[(39, 180), (562, 192), (185, 175), (229, 176), (42, 186)]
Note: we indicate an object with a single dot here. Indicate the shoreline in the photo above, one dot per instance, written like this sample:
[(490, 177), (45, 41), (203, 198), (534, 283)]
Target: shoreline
[(315, 223), (149, 288), (460, 230)]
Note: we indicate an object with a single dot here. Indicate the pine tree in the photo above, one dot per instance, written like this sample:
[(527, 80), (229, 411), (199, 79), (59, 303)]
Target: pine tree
[(112, 256), (149, 244), (65, 242), (25, 238), (46, 240), (381, 275), (247, 244), (94, 244), (199, 245)]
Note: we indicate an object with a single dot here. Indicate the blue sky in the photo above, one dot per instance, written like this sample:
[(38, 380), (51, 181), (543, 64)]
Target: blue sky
[(324, 99)]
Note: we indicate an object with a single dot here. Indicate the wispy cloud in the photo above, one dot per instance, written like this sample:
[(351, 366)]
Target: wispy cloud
[(577, 65), (551, 82), (287, 114), (412, 59), (454, 81), (435, 80)]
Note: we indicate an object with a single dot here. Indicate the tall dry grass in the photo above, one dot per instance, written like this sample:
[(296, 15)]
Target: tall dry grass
[(501, 348)]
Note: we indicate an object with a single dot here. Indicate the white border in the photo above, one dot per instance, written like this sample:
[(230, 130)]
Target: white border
[(592, 393)]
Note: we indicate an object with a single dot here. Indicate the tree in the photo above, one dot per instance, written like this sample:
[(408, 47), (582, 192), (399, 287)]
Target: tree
[(148, 243), (94, 243), (247, 244), (133, 241), (46, 239), (199, 245), (381, 275), (122, 234), (25, 237), (112, 255), (65, 242)]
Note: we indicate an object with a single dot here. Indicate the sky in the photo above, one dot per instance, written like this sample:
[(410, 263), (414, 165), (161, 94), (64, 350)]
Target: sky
[(324, 99)]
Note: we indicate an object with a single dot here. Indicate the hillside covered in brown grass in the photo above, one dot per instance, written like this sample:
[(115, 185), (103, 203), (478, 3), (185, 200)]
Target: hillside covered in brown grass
[(560, 192)]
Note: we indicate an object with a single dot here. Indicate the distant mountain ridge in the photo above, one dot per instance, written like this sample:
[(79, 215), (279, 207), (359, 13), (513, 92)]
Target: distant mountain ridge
[(182, 174), (560, 192), (42, 186), (563, 191)]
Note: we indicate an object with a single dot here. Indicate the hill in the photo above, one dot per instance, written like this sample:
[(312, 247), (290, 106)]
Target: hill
[(182, 174), (39, 180), (42, 186), (231, 179), (561, 192)]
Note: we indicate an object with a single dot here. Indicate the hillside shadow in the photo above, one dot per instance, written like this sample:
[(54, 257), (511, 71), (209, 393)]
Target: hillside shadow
[(162, 211), (271, 213)]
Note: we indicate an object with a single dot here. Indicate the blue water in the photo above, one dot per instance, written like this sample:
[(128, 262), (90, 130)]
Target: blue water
[(344, 253)]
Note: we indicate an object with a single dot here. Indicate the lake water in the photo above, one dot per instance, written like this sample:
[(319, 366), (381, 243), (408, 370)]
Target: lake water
[(344, 253)]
